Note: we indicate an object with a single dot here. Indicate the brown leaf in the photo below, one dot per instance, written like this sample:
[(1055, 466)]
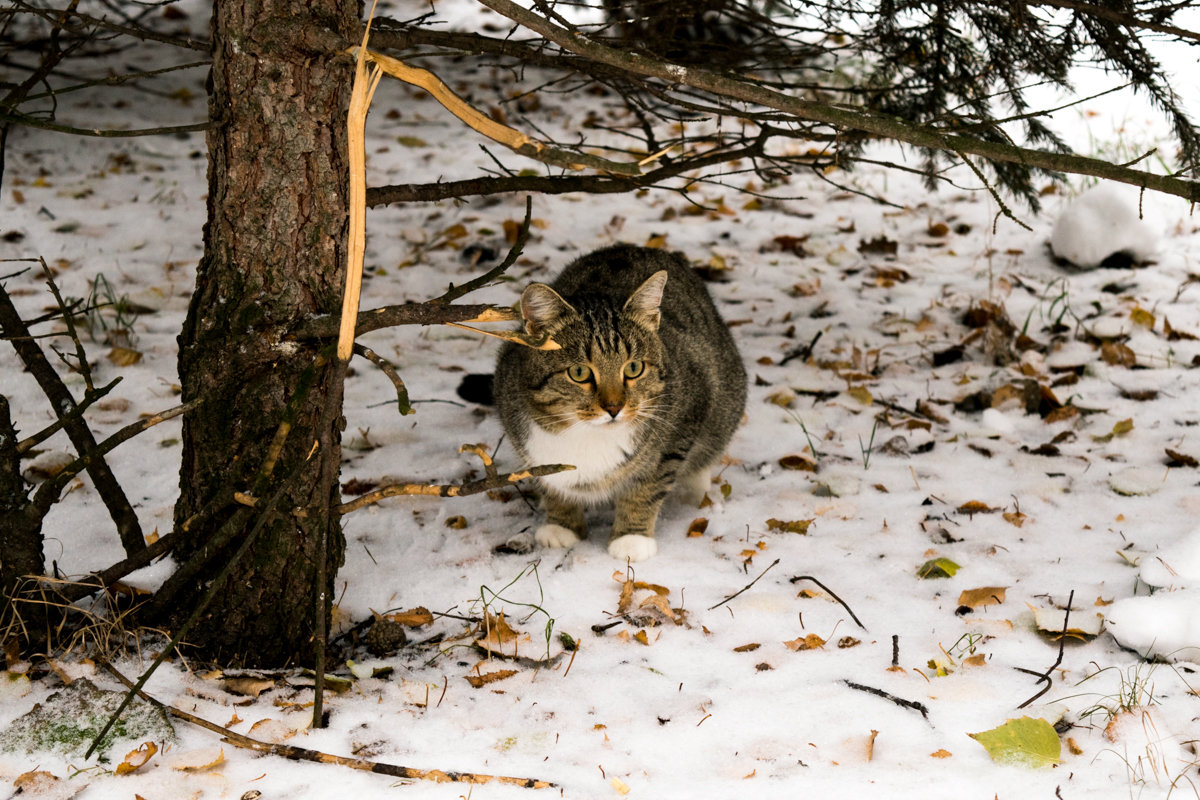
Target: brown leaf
[(1117, 354), (809, 642), (248, 685), (976, 507), (747, 648), (457, 522), (940, 754), (641, 638), (697, 527), (489, 677), (983, 596), (847, 642), (880, 244), (1178, 459), (789, 526), (797, 462), (1015, 518), (413, 617), (1061, 414), (136, 759)]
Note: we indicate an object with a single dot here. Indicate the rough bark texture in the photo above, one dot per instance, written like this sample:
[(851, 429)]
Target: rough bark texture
[(20, 523), (274, 255)]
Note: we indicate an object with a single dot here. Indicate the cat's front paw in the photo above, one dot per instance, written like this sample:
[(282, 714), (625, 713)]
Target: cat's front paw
[(551, 535), (632, 547)]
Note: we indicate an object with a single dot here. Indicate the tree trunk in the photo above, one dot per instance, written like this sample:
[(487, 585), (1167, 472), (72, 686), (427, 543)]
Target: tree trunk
[(20, 529), (274, 252)]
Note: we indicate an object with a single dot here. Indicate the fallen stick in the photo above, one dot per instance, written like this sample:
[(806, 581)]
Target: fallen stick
[(304, 754), (900, 701)]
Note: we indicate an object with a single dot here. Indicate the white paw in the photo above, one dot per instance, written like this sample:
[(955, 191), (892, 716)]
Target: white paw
[(632, 547), (551, 535)]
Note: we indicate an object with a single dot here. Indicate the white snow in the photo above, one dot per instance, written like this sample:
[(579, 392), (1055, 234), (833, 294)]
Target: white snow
[(1102, 222), (724, 704)]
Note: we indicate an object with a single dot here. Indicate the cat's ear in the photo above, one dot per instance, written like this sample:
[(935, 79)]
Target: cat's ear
[(643, 304), (542, 308)]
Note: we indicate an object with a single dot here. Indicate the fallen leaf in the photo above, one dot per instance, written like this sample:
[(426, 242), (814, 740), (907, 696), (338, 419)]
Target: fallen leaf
[(199, 760), (124, 356), (941, 754), (799, 526), (1025, 742), (977, 660), (747, 648), (1117, 354), (796, 462), (412, 618), (697, 527), (809, 642), (247, 685), (983, 596), (1015, 518), (619, 785), (1141, 316), (937, 568), (1178, 459), (1081, 624), (880, 244), (641, 638), (847, 642), (489, 677), (976, 507)]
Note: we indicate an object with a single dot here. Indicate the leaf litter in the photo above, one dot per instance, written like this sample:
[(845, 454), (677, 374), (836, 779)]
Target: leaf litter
[(996, 375)]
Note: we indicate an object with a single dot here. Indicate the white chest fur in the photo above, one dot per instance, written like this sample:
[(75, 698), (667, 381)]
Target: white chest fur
[(595, 450)]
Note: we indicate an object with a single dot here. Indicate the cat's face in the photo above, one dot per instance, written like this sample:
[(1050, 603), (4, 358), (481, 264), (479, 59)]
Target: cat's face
[(608, 370)]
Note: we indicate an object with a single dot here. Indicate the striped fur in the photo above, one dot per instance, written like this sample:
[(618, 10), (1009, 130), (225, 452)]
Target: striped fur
[(643, 395)]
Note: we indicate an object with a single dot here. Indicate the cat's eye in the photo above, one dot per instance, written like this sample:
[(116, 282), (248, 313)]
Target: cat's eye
[(634, 368), (580, 373)]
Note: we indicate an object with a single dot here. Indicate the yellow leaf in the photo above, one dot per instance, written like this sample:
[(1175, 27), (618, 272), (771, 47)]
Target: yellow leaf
[(135, 759), (1015, 518), (862, 394), (620, 786), (983, 596), (200, 760), (657, 241), (940, 754), (641, 638), (1141, 316), (975, 507), (799, 526), (698, 526), (124, 356), (1025, 742)]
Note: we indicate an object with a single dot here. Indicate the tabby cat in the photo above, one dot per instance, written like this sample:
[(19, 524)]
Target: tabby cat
[(643, 395)]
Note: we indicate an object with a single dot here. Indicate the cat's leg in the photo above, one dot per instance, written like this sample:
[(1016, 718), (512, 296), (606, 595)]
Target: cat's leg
[(633, 526), (693, 487), (565, 524)]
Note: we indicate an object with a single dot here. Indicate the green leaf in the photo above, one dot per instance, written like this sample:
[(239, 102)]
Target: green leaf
[(938, 568), (1025, 742)]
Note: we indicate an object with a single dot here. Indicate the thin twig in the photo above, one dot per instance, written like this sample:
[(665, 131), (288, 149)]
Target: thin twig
[(1045, 676), (455, 292), (831, 594), (388, 369), (900, 701), (304, 754), (744, 588)]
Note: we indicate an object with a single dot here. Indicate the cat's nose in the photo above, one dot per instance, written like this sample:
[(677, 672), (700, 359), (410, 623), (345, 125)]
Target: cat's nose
[(613, 408)]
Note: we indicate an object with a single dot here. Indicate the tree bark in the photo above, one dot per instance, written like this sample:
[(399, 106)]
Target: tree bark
[(274, 254), (20, 525)]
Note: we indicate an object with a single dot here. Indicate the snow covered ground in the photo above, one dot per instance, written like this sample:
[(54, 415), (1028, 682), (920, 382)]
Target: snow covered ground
[(932, 434)]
